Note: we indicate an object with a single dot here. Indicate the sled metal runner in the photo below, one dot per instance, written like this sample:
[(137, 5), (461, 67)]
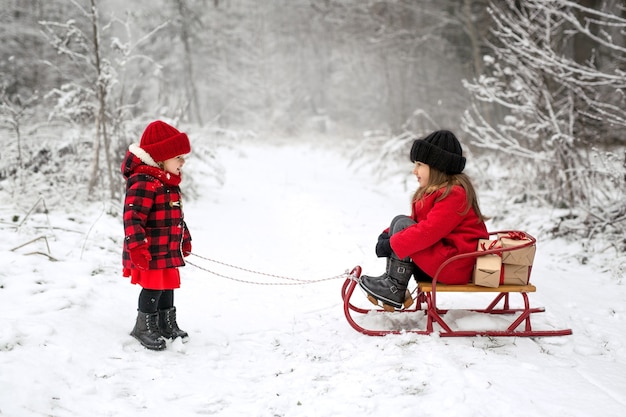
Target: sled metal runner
[(426, 295)]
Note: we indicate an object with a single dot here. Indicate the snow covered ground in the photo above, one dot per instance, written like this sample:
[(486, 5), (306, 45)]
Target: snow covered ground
[(285, 350)]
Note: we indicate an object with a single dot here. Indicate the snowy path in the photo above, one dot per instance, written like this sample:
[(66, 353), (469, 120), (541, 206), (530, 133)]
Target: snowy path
[(269, 350)]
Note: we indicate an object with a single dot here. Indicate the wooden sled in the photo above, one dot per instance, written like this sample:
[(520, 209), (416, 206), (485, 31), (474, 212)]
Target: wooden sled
[(426, 294)]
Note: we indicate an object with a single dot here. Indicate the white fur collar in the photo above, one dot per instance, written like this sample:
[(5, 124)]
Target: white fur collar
[(143, 155)]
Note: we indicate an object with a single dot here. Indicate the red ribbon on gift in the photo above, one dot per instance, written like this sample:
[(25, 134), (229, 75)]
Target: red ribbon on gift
[(515, 235), (492, 245)]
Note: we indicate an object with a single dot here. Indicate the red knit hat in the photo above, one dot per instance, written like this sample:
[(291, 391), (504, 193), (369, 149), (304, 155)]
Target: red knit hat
[(163, 141)]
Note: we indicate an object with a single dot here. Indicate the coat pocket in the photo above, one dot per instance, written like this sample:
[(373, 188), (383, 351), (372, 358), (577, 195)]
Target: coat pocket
[(159, 241)]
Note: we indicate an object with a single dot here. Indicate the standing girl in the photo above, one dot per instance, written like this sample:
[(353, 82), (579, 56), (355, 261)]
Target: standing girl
[(445, 221), (156, 237)]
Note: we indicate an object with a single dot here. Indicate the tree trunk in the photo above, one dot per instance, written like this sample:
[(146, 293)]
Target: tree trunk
[(101, 93), (190, 87), (470, 22)]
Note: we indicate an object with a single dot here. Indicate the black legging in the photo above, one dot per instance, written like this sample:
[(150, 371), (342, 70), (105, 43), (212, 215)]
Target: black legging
[(399, 223), (150, 301)]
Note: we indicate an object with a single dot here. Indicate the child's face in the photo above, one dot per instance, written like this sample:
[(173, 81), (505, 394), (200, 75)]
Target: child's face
[(174, 165), (422, 172)]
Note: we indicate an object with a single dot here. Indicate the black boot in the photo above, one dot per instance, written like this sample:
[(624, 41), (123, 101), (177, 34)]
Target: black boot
[(147, 331), (390, 287), (168, 326)]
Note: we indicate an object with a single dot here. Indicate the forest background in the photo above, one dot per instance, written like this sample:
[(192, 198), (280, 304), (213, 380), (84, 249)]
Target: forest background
[(535, 89)]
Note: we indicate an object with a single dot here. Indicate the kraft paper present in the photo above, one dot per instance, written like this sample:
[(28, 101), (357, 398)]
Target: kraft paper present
[(487, 268), (523, 256), (515, 274)]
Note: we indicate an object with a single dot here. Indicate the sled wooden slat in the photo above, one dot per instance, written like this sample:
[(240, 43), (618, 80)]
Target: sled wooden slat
[(426, 304), (427, 287)]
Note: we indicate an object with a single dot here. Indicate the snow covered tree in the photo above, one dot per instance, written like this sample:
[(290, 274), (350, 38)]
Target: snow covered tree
[(556, 74), (95, 90), (187, 20), (409, 57), (86, 96), (422, 51)]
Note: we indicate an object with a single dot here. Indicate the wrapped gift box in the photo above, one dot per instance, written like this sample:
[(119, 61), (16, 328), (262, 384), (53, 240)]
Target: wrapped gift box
[(522, 256), (488, 268), (515, 274)]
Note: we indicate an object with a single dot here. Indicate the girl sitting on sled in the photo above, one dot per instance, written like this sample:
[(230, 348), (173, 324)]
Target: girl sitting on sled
[(445, 221)]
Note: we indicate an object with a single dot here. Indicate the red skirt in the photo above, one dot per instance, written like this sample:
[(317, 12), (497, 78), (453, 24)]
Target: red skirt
[(154, 279)]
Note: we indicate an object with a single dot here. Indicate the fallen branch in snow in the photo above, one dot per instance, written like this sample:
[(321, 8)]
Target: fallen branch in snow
[(82, 248), (43, 202), (50, 257), (37, 252), (32, 241)]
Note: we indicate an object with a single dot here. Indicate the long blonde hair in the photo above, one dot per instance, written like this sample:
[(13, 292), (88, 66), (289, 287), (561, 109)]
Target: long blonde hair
[(439, 180)]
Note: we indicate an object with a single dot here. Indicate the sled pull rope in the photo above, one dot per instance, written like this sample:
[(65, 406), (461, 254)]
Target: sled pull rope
[(296, 281)]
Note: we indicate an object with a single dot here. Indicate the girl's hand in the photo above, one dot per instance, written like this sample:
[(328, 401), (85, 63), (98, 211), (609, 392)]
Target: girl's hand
[(140, 257), (186, 248), (383, 246)]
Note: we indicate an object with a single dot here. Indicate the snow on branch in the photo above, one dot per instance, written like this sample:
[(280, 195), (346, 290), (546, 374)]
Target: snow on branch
[(553, 91)]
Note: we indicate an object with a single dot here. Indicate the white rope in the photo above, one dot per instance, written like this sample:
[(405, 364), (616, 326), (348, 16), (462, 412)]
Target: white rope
[(296, 281)]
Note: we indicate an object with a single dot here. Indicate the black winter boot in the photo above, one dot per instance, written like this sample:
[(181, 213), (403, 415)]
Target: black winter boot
[(390, 287), (167, 324), (147, 331)]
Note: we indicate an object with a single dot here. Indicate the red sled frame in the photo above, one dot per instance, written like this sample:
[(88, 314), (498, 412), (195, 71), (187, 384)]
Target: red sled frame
[(426, 293)]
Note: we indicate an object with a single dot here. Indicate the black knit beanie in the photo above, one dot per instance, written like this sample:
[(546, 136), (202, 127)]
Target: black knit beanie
[(441, 150)]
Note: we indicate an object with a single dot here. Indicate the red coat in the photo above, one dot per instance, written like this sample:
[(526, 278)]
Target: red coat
[(153, 214), (441, 232)]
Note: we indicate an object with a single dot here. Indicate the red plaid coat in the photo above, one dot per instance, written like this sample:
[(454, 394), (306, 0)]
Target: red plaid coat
[(153, 214)]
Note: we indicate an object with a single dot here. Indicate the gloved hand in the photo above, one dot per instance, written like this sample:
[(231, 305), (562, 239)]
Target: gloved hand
[(140, 256), (187, 248), (383, 246)]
